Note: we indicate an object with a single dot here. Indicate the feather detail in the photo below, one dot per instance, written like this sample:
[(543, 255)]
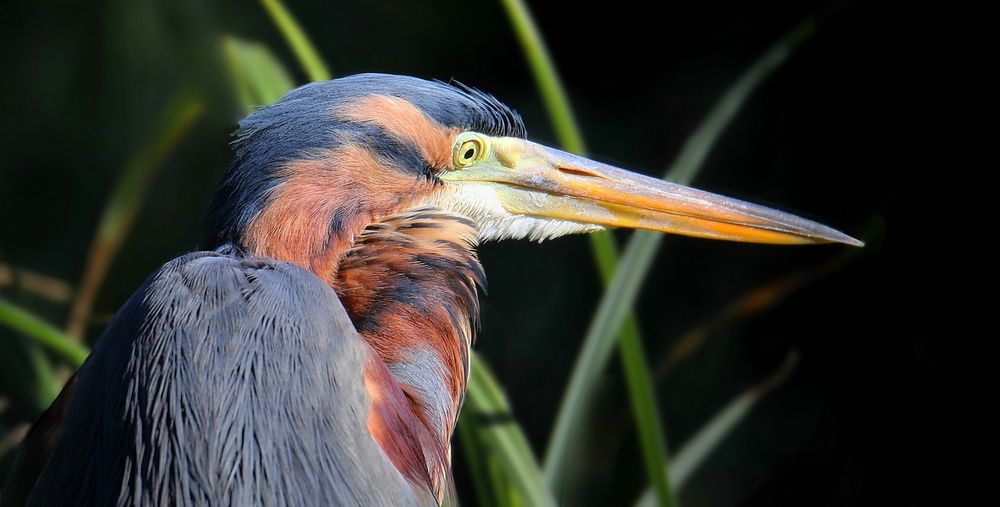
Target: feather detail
[(410, 285)]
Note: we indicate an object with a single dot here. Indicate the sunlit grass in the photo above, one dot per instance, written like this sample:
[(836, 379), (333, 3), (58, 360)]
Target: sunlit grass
[(304, 50)]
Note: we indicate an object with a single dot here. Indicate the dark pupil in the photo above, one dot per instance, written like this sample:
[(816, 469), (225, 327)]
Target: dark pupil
[(469, 153)]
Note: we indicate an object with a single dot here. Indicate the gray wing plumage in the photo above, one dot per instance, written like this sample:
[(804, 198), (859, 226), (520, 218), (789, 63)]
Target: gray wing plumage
[(223, 381)]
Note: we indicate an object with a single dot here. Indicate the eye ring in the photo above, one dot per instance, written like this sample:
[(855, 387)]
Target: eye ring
[(469, 149)]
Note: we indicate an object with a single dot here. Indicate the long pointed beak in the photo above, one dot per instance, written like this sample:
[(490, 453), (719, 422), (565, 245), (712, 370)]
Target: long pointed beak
[(535, 180)]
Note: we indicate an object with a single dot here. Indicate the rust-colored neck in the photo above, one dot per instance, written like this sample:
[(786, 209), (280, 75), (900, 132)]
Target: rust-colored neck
[(322, 203), (410, 286), (408, 280)]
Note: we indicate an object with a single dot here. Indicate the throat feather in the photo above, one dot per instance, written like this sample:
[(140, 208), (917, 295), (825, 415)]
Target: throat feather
[(410, 285)]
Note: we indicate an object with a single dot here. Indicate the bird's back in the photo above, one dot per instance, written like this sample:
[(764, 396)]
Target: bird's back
[(222, 381)]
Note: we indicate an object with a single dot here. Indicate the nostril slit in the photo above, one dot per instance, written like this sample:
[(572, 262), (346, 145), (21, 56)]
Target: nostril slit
[(578, 172)]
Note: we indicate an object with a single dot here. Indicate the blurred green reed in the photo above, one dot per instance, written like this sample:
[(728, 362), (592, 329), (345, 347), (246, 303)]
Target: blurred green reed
[(44, 333), (256, 75), (488, 424), (700, 445), (613, 314), (123, 204), (297, 39), (46, 386), (605, 251), (503, 467), (623, 288)]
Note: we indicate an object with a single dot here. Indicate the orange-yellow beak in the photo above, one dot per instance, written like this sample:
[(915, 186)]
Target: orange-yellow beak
[(534, 180)]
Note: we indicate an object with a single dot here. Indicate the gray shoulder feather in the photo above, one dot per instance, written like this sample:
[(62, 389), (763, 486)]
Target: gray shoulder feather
[(223, 381)]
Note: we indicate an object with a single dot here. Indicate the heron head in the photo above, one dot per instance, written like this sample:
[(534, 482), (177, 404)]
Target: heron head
[(329, 159)]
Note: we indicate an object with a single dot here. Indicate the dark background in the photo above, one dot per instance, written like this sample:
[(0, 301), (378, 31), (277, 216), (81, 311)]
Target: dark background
[(83, 80)]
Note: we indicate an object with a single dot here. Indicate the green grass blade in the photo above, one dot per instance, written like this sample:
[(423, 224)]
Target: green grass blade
[(643, 245), (46, 385), (556, 102), (257, 77), (698, 145), (592, 358), (125, 200), (693, 453), (653, 443), (487, 489), (546, 78), (501, 436), (301, 46), (43, 333)]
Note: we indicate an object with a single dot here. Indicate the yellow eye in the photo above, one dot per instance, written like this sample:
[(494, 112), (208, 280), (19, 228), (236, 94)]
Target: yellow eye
[(469, 149)]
